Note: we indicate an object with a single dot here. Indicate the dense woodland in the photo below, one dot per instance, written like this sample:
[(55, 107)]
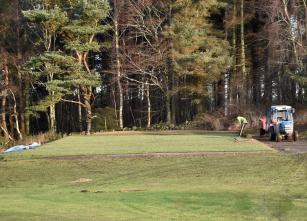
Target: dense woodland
[(92, 65)]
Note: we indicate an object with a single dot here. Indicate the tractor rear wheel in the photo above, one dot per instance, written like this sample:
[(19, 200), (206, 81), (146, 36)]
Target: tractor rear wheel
[(278, 137)]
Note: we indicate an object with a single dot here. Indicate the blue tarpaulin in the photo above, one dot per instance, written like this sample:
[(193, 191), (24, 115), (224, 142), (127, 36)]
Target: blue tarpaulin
[(22, 147)]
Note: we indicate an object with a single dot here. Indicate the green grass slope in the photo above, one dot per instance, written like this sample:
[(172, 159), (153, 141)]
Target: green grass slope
[(201, 188), (245, 187)]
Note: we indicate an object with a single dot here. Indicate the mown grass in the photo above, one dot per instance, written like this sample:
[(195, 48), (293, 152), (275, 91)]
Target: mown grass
[(148, 143), (251, 187)]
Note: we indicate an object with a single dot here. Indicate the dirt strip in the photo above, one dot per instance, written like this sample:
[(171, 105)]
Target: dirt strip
[(285, 146), (157, 155), (299, 147)]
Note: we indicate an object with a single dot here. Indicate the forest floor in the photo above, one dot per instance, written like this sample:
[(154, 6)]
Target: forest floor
[(216, 178)]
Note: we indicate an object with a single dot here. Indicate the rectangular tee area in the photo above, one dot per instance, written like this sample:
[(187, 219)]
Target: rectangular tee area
[(148, 142)]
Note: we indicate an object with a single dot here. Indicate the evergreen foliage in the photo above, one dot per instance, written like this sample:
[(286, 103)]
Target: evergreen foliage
[(151, 62), (199, 50)]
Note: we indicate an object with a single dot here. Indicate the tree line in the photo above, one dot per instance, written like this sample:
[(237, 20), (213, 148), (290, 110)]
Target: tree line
[(88, 65)]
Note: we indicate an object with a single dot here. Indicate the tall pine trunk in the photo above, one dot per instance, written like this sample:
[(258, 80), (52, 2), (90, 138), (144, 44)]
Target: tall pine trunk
[(174, 98), (52, 118), (168, 108), (148, 105), (20, 92), (118, 68), (256, 75), (234, 87), (267, 97), (87, 92), (79, 111), (22, 97), (170, 74), (243, 56), (15, 117), (26, 100), (4, 95)]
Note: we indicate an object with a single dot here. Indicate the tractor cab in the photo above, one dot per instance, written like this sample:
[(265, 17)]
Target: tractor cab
[(279, 123)]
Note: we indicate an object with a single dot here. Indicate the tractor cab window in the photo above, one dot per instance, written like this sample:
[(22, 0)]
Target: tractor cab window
[(284, 115)]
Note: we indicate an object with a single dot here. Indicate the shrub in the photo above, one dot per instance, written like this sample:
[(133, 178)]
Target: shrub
[(104, 120), (40, 138), (209, 121)]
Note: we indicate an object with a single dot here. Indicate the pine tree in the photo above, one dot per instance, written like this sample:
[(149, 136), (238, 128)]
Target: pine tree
[(56, 73), (200, 53), (48, 19), (85, 23)]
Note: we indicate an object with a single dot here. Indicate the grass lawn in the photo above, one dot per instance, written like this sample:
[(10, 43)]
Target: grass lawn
[(251, 187), (147, 143)]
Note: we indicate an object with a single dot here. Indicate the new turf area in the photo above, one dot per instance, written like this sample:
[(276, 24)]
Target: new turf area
[(148, 143), (269, 186)]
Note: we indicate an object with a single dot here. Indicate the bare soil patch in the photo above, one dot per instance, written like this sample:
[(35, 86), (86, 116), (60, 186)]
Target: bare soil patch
[(286, 146)]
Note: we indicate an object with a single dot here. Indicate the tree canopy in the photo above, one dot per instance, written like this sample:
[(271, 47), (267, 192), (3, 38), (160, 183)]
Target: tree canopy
[(146, 63)]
